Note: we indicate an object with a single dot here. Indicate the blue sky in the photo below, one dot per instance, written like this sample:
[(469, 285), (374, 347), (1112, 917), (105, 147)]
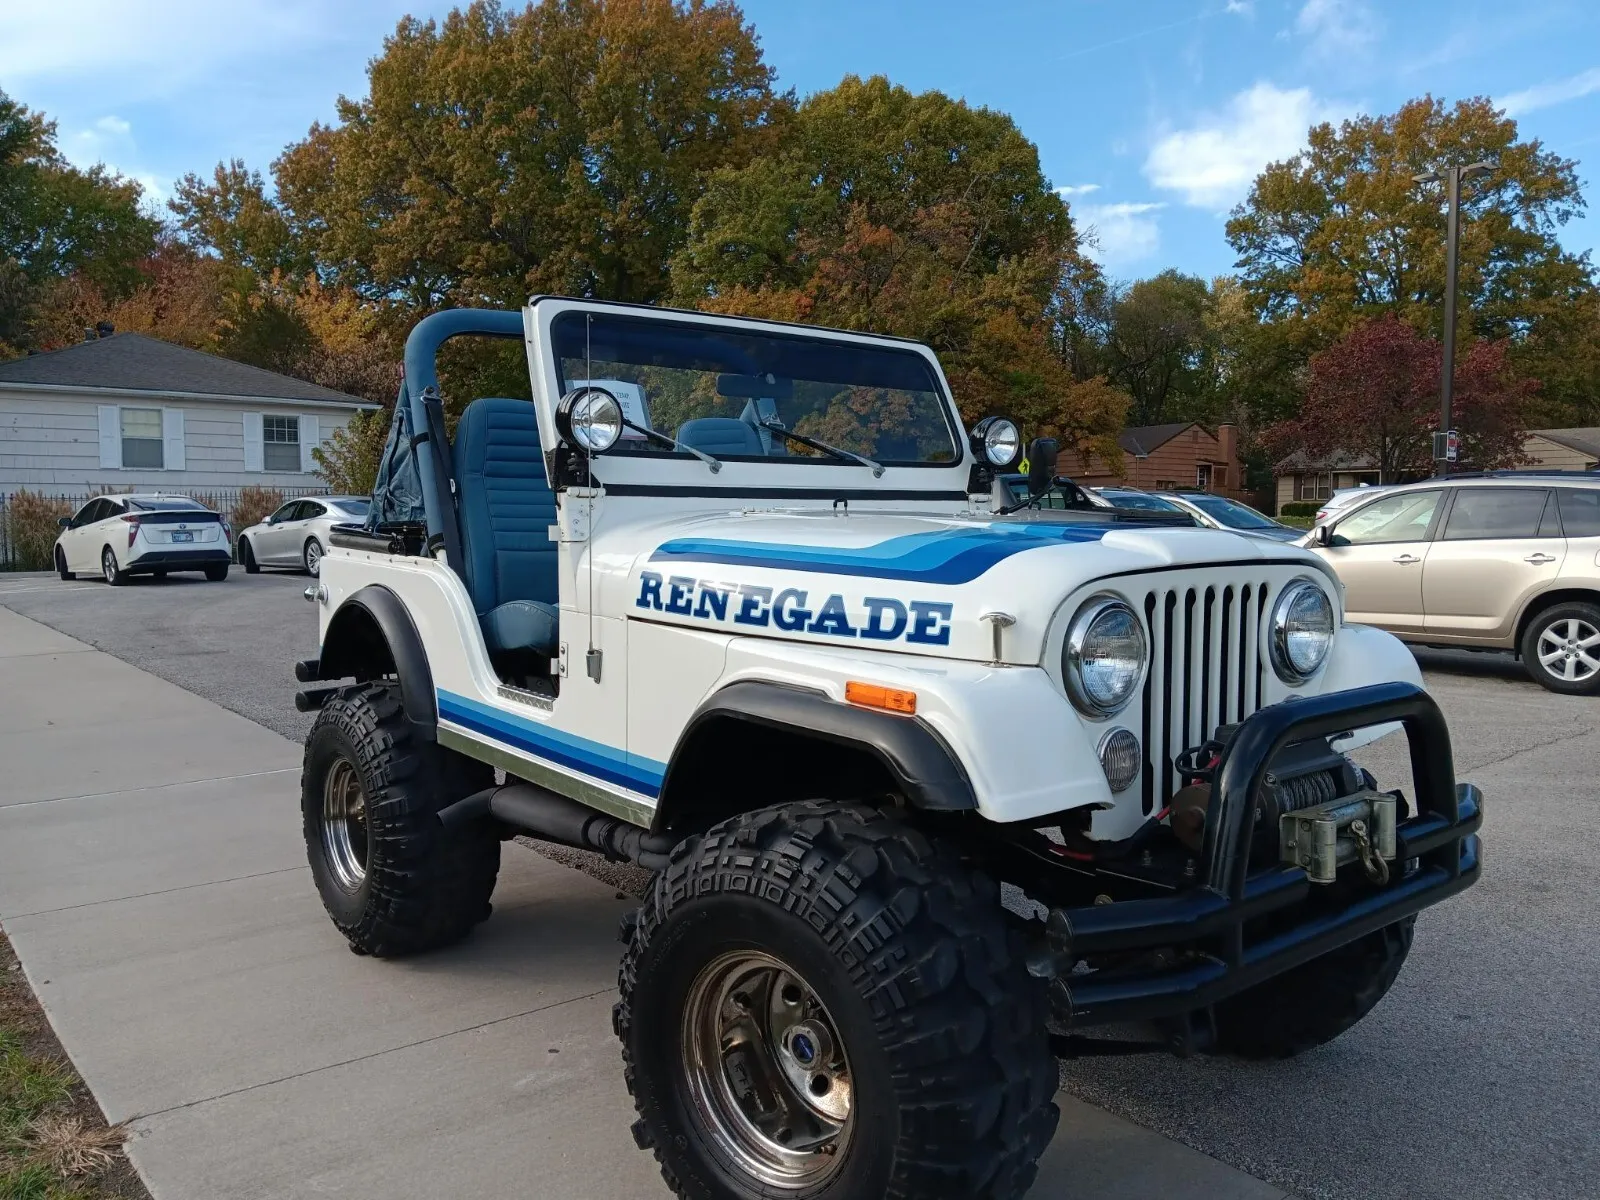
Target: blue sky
[(1151, 115)]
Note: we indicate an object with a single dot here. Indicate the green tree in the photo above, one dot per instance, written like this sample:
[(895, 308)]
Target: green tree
[(348, 462), (1342, 233), (559, 148), (1159, 348), (232, 216)]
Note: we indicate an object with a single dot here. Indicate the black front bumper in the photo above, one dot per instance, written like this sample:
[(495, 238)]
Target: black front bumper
[(1207, 925), (176, 560)]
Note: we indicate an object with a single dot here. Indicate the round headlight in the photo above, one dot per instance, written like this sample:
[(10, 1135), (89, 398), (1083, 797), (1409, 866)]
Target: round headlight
[(998, 441), (1119, 758), (1302, 631), (1104, 656), (589, 419)]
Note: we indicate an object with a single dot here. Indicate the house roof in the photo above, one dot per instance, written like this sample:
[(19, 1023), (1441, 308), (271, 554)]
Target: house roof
[(134, 362), (1339, 460), (1584, 440), (1140, 440)]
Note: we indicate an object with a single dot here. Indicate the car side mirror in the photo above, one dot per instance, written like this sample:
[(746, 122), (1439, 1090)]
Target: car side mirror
[(1323, 535), (273, 519), (1042, 454), (63, 522)]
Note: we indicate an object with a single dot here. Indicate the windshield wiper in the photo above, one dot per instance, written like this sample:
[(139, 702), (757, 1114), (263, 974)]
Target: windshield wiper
[(714, 463), (841, 455)]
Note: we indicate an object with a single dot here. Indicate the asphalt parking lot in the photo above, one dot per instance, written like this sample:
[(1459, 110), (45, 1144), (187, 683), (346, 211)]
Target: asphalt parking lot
[(1477, 1077)]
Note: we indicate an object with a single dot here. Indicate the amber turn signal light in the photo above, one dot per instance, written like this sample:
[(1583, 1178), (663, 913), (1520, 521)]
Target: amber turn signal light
[(872, 695)]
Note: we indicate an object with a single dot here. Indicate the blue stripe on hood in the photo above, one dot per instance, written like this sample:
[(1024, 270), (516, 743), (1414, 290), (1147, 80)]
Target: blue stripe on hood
[(949, 556)]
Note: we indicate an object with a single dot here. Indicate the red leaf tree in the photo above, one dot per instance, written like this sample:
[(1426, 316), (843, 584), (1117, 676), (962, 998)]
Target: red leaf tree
[(1374, 394)]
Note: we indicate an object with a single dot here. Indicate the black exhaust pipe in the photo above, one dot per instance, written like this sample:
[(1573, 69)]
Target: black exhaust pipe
[(541, 813)]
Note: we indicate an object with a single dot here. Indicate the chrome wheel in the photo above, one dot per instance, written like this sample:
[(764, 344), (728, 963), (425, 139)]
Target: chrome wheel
[(766, 1070), (344, 825), (313, 557), (108, 565), (1570, 650)]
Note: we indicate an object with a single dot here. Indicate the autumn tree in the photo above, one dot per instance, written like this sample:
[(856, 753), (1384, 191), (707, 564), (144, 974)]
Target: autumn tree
[(232, 217), (910, 214), (1342, 233), (555, 149), (1159, 346), (1374, 394)]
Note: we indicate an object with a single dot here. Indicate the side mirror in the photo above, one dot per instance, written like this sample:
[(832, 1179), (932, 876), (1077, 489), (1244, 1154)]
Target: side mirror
[(1042, 454), (273, 519), (63, 522), (589, 419), (1323, 535)]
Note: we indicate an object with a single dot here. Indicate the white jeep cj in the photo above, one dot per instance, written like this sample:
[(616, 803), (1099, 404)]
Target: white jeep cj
[(729, 600)]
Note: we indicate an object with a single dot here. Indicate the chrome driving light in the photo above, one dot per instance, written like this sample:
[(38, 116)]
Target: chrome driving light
[(1104, 656), (589, 419), (998, 441), (1119, 758), (1302, 631)]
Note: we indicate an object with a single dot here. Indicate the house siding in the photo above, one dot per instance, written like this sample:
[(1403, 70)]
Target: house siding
[(1553, 456), (1173, 464), (49, 441)]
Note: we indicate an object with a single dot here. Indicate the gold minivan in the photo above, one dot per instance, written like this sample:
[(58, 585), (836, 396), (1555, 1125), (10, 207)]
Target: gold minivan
[(1503, 562)]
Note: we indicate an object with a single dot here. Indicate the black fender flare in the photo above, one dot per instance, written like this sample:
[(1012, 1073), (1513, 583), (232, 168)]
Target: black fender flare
[(340, 657), (922, 762)]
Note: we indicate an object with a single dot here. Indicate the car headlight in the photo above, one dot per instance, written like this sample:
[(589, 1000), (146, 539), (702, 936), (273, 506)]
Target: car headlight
[(1104, 656), (1302, 631)]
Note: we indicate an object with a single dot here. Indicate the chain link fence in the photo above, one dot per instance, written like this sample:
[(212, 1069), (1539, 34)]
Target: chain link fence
[(29, 520)]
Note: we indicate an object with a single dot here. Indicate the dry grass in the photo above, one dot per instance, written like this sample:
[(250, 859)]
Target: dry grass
[(68, 1146)]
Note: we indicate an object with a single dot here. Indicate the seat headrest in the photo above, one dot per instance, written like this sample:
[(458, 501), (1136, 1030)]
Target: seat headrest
[(720, 435)]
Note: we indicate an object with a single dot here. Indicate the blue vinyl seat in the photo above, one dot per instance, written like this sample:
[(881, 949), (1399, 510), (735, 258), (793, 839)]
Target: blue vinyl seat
[(718, 436), (506, 509)]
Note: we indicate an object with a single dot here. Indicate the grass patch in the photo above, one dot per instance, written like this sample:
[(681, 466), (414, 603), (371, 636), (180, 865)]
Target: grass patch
[(54, 1141)]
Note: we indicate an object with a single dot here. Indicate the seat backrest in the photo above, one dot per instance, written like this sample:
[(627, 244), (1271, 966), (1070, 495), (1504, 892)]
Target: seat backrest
[(720, 435), (505, 504)]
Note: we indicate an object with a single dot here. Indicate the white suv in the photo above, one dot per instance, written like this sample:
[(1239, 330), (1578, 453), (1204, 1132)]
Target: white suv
[(119, 536)]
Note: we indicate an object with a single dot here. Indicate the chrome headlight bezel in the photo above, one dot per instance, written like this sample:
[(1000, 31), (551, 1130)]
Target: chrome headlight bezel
[(1093, 610), (1286, 669)]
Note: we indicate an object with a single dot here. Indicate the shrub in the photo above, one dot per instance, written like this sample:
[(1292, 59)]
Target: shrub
[(254, 504), (31, 528), (1300, 508), (349, 460)]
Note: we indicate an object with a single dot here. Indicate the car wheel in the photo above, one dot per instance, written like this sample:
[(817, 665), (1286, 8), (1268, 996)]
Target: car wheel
[(393, 879), (1561, 648), (819, 1001), (61, 566), (217, 572), (113, 574), (311, 556), (247, 558)]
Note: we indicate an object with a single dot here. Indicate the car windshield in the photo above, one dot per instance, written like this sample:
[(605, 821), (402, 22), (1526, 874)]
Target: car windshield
[(1141, 502), (165, 504), (727, 392), (1230, 512)]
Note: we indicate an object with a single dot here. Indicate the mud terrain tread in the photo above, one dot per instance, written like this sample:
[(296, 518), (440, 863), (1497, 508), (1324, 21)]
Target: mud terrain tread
[(1316, 1002), (923, 938), (426, 888)]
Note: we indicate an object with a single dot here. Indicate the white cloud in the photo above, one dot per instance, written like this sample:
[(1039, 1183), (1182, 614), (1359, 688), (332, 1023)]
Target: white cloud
[(1242, 8), (1546, 95), (1077, 189), (1213, 163), (1121, 234), (1337, 28)]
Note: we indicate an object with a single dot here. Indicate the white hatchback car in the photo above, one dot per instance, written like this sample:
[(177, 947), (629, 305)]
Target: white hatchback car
[(297, 534), (119, 536)]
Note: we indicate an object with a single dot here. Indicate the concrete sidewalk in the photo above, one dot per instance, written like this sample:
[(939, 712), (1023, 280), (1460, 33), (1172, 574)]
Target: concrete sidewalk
[(152, 881)]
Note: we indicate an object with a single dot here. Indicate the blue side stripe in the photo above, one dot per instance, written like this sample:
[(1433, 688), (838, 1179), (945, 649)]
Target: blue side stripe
[(632, 771), (949, 556)]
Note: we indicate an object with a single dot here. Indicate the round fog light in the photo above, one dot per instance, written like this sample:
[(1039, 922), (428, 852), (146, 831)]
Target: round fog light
[(1119, 758)]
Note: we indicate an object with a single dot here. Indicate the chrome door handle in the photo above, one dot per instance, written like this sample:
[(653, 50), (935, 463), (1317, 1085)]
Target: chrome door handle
[(1540, 559), (1406, 560)]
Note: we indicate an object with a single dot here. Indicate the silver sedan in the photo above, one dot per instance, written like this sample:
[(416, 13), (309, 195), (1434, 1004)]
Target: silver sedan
[(297, 534)]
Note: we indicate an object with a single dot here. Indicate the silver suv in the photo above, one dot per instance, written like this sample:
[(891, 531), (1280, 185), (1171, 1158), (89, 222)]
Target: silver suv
[(1504, 562)]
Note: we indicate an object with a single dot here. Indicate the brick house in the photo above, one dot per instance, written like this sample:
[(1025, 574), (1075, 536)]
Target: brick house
[(1163, 457)]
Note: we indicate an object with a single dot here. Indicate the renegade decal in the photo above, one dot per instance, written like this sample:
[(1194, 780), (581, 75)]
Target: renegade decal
[(949, 556), (921, 622)]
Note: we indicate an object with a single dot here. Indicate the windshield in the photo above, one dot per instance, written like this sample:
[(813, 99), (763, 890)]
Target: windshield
[(165, 504), (1140, 502), (722, 391), (1231, 513)]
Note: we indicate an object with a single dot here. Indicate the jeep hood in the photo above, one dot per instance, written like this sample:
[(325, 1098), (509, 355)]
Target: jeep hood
[(910, 583)]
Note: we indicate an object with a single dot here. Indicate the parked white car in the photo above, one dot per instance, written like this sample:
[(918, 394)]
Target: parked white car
[(1342, 498), (297, 534), (119, 536)]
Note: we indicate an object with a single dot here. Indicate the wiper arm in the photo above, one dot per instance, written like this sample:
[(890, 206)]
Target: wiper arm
[(841, 455), (714, 463)]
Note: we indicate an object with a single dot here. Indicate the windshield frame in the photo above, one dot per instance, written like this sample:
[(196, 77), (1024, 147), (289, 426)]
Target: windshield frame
[(631, 465)]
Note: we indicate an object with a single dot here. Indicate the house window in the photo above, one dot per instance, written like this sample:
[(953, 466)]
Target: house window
[(280, 443), (1315, 486), (1202, 476), (141, 438)]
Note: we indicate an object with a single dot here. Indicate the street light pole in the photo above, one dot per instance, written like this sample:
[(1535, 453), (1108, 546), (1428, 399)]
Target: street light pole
[(1447, 377)]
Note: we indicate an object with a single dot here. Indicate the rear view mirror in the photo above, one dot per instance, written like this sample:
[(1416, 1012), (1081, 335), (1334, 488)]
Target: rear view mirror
[(755, 387), (1042, 453), (63, 522)]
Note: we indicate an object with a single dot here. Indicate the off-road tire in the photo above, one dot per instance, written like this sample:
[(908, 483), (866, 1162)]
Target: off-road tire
[(910, 952), (247, 558), (217, 573), (109, 570), (1315, 1002), (61, 566), (423, 887), (1574, 610)]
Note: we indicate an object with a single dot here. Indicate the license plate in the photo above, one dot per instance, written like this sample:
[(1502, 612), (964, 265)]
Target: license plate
[(182, 537)]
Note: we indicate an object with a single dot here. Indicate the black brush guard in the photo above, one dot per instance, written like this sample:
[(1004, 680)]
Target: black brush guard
[(1208, 921)]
